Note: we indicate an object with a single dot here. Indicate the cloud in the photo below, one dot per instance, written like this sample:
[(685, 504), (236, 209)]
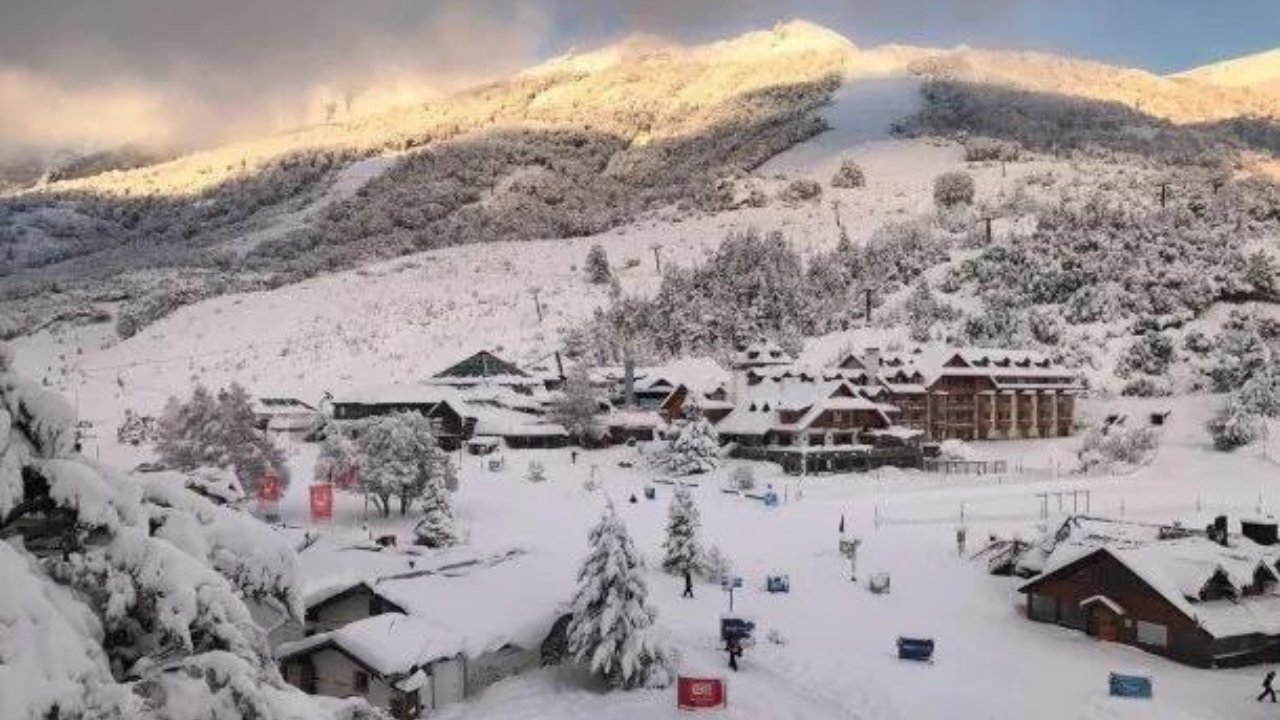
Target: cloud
[(200, 71), (166, 72)]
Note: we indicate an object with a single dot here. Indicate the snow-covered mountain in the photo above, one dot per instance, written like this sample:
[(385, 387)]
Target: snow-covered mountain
[(1259, 72), (391, 243)]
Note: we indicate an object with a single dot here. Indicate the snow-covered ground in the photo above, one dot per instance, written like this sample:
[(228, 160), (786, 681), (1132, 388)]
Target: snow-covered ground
[(838, 660)]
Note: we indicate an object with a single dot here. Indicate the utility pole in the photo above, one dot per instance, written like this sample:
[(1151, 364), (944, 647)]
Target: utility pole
[(987, 220), (537, 304)]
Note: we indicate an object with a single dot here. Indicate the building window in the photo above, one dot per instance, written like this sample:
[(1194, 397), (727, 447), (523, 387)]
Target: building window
[(361, 682), (1073, 616), (1152, 634), (1043, 607)]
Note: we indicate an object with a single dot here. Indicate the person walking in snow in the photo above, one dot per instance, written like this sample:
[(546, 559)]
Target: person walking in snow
[(688, 583), (1267, 690), (960, 540), (734, 648)]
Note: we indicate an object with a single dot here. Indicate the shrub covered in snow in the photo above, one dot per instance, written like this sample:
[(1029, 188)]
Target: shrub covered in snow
[(612, 630), (953, 188), (801, 190), (985, 149), (1117, 448), (849, 175), (714, 566), (537, 472), (1234, 426), (597, 266), (1149, 354), (219, 431)]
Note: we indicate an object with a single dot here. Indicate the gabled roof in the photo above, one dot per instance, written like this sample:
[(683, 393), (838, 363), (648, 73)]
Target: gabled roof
[(483, 364), (1178, 570), (759, 409), (392, 645), (405, 394)]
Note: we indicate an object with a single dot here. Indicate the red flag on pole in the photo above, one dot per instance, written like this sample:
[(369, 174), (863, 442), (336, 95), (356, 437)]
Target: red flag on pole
[(321, 502)]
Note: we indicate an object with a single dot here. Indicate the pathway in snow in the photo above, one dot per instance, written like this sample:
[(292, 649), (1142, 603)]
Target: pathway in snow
[(348, 181), (863, 112)]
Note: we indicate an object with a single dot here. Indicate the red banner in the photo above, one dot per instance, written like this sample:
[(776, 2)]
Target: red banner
[(269, 489), (700, 693), (321, 501)]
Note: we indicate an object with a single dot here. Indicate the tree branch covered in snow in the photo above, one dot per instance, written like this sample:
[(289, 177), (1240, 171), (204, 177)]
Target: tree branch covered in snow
[(125, 598)]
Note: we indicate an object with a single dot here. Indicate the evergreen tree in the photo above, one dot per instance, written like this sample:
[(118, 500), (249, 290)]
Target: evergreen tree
[(696, 449), (611, 629), (597, 266), (683, 551), (436, 528)]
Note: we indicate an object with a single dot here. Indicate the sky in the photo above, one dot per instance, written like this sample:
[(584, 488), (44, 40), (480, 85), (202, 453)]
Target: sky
[(181, 73)]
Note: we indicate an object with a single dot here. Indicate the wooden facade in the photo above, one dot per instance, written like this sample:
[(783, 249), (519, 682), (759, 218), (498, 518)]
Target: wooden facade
[(1103, 597), (450, 427), (972, 395)]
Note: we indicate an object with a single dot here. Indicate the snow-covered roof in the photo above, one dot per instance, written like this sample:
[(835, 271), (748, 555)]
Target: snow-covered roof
[(469, 596), (402, 394), (474, 601), (1180, 569), (759, 407), (392, 644), (633, 419), (280, 406), (508, 423), (913, 370), (760, 353)]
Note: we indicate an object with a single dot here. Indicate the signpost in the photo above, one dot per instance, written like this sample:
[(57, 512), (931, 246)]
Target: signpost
[(728, 585), (701, 693), (322, 502)]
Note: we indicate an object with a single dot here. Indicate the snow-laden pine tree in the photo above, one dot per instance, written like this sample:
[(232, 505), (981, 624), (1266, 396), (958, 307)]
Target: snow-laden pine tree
[(695, 448), (611, 630), (682, 549), (597, 266), (126, 597), (436, 528), (394, 456), (209, 431)]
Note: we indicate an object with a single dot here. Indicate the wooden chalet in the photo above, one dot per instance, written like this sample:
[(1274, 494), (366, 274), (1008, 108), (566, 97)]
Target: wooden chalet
[(444, 407), (1189, 598)]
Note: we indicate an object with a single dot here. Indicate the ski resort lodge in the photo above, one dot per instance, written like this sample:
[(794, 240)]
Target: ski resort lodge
[(1204, 599)]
